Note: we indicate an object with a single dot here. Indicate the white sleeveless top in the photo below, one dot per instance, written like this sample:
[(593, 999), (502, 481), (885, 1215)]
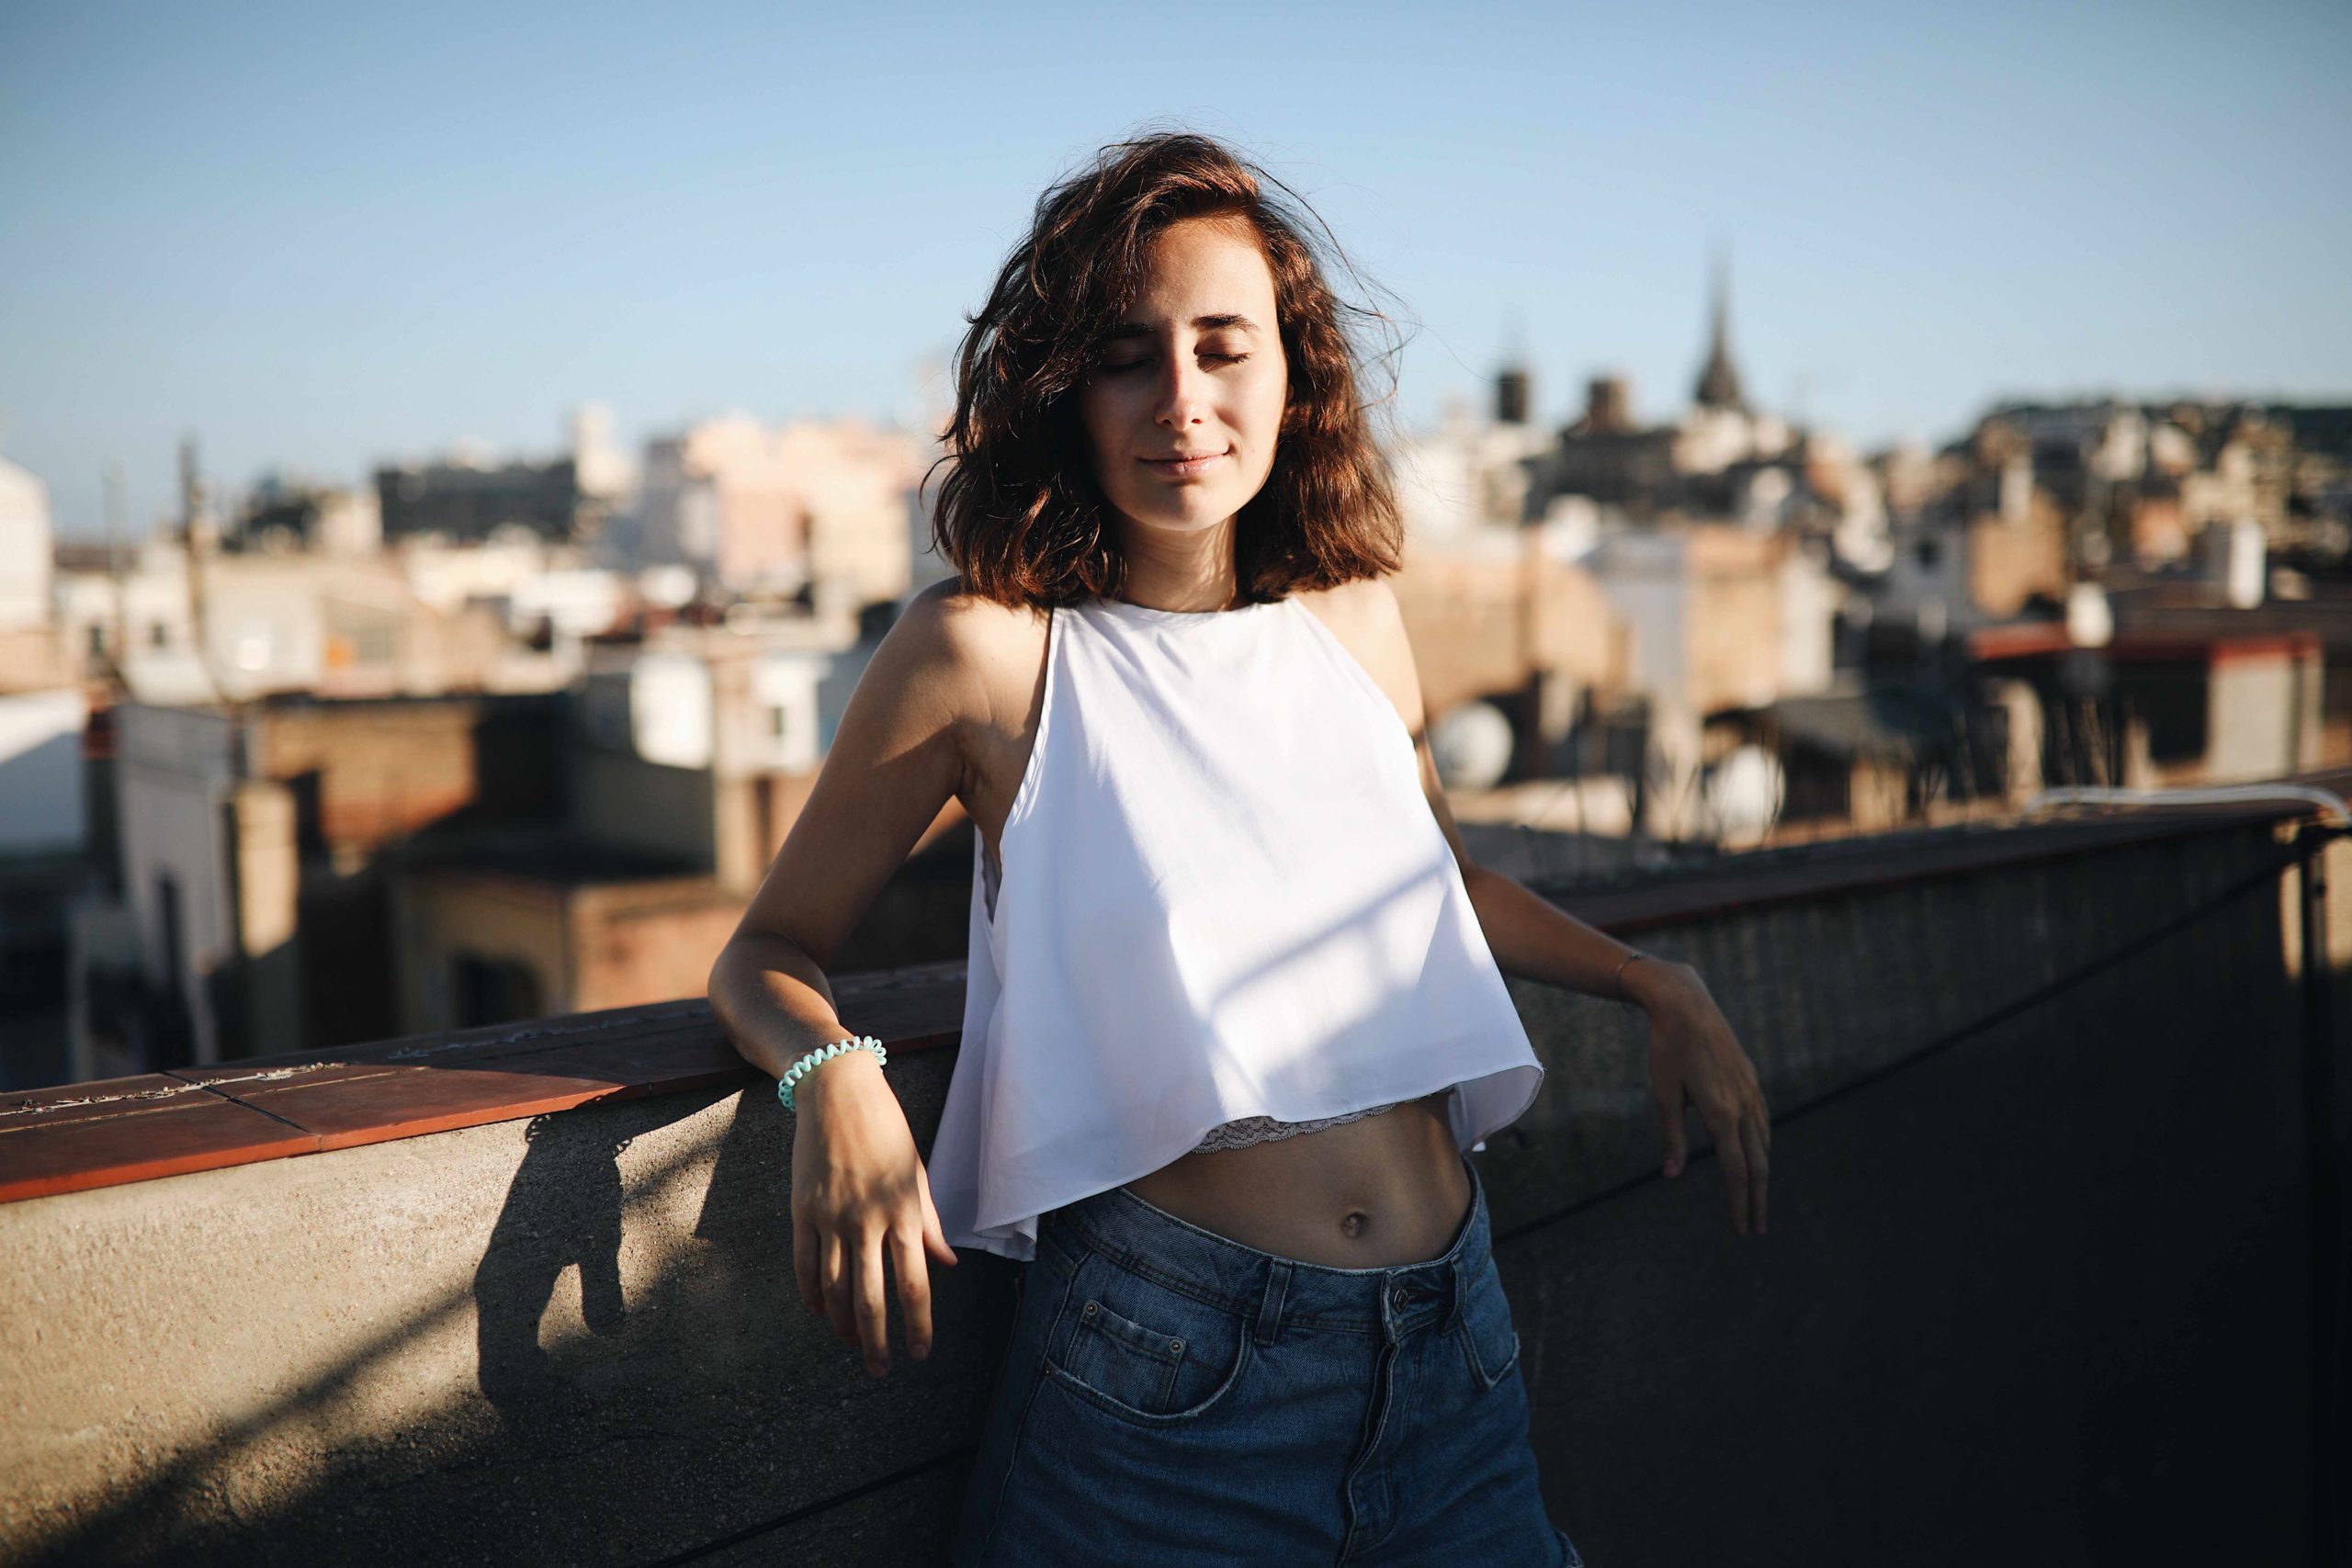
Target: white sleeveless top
[(1223, 896)]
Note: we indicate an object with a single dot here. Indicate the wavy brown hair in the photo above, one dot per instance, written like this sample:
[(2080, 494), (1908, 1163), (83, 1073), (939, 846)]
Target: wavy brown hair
[(1020, 514)]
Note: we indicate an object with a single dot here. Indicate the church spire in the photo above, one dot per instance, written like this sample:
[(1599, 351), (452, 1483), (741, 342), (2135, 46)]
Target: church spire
[(1719, 382)]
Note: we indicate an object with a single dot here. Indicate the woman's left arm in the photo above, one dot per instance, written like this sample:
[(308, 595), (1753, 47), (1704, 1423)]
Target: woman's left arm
[(1695, 1060)]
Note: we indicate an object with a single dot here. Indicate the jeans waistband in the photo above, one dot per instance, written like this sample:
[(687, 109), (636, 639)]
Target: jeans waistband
[(1150, 1241)]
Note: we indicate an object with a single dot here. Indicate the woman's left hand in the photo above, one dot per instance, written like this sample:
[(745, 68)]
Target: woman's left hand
[(1696, 1060)]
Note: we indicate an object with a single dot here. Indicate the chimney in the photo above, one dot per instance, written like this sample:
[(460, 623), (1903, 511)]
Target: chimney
[(1511, 387), (1608, 405)]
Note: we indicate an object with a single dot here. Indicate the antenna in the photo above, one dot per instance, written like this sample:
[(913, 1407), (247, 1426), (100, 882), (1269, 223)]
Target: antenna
[(110, 485)]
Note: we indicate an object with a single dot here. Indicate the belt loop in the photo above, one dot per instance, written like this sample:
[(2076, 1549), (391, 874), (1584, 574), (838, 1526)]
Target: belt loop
[(1461, 1294), (1269, 1309)]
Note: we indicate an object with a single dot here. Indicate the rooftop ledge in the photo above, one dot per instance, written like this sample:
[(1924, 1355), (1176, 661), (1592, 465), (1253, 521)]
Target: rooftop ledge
[(77, 1136), (2052, 1203)]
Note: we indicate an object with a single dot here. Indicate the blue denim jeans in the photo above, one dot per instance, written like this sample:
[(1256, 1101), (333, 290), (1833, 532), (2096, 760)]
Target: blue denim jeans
[(1170, 1397)]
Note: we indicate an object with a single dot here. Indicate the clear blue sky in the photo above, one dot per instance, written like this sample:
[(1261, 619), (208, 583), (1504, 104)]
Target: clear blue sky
[(324, 235)]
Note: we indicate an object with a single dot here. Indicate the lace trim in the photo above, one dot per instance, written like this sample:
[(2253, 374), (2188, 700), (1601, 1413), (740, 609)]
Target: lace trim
[(1262, 1129)]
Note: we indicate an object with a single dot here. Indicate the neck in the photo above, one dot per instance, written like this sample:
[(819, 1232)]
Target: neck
[(1171, 571)]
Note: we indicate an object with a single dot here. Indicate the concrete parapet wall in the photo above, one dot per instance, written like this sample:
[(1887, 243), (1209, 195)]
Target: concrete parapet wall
[(2045, 1291)]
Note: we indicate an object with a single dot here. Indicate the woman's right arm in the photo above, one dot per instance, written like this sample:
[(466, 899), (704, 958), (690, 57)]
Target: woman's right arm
[(859, 1190)]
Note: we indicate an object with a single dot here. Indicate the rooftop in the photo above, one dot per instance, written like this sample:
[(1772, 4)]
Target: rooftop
[(2055, 1139)]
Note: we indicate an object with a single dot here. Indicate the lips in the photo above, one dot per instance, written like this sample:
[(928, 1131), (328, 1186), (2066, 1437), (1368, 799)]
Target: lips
[(1183, 468)]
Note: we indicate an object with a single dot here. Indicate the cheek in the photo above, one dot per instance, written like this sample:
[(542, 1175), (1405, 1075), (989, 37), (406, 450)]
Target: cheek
[(1264, 408), (1096, 421)]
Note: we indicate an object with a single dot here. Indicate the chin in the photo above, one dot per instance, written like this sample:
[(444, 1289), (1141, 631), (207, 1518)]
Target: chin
[(1189, 514)]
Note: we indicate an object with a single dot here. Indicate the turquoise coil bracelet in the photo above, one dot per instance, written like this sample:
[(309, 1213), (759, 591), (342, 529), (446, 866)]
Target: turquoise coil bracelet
[(801, 1068)]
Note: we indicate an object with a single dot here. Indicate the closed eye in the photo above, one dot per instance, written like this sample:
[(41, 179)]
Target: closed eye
[(1205, 359)]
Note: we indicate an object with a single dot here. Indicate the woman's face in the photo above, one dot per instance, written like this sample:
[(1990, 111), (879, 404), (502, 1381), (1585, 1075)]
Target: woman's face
[(1194, 370)]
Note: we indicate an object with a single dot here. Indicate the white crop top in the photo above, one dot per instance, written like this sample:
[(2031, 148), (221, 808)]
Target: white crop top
[(1223, 896)]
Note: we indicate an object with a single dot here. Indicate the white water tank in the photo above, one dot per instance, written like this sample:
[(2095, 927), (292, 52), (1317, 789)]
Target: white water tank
[(1471, 745), (2089, 621)]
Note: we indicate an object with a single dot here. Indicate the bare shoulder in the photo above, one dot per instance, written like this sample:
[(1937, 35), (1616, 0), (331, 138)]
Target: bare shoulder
[(977, 651), (1364, 616), (1360, 605), (990, 659), (949, 610)]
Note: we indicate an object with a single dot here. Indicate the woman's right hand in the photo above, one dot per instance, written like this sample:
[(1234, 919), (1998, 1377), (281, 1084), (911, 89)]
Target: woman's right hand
[(860, 1194)]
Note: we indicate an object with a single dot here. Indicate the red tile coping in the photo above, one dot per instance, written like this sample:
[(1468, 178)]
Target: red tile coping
[(76, 1136), (2041, 639)]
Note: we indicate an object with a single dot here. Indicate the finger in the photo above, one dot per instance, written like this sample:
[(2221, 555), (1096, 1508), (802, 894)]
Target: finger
[(836, 1287), (934, 1234), (1734, 1159), (873, 1309), (805, 1259), (1668, 1094), (914, 1288), (1755, 1137)]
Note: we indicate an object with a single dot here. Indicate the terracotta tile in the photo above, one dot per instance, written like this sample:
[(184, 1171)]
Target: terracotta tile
[(243, 1079), (90, 1101), (228, 1112), (189, 1130), (346, 1110)]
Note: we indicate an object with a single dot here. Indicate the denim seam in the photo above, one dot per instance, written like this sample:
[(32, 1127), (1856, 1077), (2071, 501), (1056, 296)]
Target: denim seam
[(1384, 1378), (1046, 1242), (1147, 1420), (1271, 1302), (1143, 1268), (1477, 1363), (1021, 1429), (1091, 1323)]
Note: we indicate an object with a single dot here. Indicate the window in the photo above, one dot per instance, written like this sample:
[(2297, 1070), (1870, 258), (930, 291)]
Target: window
[(491, 991)]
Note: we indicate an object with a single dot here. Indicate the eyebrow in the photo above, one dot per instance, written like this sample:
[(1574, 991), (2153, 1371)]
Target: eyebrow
[(1204, 323)]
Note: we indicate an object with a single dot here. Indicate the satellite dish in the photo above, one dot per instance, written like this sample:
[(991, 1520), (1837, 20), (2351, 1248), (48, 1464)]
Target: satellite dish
[(1471, 745), (1744, 791)]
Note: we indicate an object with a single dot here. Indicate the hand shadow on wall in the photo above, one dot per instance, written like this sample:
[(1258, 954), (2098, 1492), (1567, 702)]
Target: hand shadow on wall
[(563, 1209), (732, 1301)]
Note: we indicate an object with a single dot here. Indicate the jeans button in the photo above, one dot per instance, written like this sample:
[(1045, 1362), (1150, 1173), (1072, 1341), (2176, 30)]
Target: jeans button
[(1397, 1298)]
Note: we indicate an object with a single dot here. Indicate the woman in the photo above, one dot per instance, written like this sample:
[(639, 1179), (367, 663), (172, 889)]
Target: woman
[(1234, 1009)]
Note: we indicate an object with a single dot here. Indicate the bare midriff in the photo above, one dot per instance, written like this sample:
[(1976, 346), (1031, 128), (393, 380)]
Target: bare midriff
[(1385, 1191)]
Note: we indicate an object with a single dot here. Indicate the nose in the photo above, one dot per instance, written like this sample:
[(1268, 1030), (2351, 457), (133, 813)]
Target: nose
[(1181, 394)]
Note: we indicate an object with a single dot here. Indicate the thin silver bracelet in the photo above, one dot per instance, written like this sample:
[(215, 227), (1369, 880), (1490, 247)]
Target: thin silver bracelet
[(1618, 979)]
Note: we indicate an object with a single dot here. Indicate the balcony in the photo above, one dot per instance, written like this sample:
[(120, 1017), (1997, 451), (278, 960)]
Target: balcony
[(2056, 1225)]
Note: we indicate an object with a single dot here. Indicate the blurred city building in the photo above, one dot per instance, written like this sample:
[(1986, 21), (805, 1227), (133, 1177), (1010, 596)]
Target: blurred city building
[(500, 737), (815, 509), (467, 496)]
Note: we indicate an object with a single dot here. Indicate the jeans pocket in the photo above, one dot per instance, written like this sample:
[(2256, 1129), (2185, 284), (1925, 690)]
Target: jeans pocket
[(1490, 1338), (1143, 1349)]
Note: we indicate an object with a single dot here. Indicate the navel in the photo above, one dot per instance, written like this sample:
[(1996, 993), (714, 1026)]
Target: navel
[(1353, 1224)]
